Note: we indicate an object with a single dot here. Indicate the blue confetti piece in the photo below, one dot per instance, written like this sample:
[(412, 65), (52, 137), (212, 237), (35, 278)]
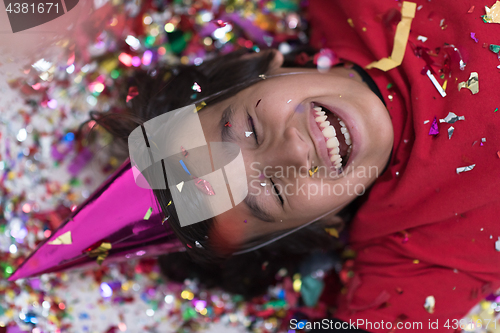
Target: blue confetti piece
[(69, 137), (185, 167)]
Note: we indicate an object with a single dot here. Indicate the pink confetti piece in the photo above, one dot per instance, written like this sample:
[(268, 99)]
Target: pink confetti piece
[(204, 186), (434, 130), (132, 92), (473, 36)]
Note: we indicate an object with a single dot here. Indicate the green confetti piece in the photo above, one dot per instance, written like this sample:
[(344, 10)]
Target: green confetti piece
[(389, 86), (494, 48), (496, 110), (148, 213), (189, 313)]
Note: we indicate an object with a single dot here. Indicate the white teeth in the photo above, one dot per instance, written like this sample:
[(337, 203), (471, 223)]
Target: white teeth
[(342, 123), (348, 141), (329, 132), (324, 124), (318, 108), (335, 158), (332, 142), (320, 113), (335, 151), (320, 119), (343, 130)]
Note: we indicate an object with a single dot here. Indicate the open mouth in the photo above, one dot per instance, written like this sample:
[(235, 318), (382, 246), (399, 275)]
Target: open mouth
[(336, 135)]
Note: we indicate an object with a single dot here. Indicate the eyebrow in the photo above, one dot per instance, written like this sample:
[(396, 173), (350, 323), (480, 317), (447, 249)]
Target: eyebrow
[(226, 132), (257, 210)]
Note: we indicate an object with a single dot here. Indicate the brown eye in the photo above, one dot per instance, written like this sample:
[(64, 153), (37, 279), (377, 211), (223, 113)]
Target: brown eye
[(252, 127)]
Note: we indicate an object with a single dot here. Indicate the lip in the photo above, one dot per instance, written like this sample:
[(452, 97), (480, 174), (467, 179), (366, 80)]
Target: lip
[(318, 140)]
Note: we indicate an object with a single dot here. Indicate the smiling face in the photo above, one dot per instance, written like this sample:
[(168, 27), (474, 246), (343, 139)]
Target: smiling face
[(312, 142)]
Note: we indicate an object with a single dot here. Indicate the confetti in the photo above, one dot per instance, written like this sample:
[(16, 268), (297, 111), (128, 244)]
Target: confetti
[(200, 106), (184, 167), (204, 186), (423, 39), (245, 221), (492, 13), (247, 134), (184, 152), (268, 40), (351, 23), (400, 39), (426, 121), (430, 304), (450, 131), (473, 36), (497, 245), (198, 245), (228, 124), (494, 48), (148, 213), (436, 83), (132, 92), (471, 9), (179, 186), (332, 232), (165, 220), (472, 83), (64, 239), (263, 184), (99, 250), (451, 118), (313, 170), (466, 168), (196, 87), (288, 101), (434, 130)]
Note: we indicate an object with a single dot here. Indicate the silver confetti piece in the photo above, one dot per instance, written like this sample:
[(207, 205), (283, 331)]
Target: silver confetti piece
[(466, 168), (450, 131), (247, 134), (198, 245), (263, 184), (451, 118), (497, 245)]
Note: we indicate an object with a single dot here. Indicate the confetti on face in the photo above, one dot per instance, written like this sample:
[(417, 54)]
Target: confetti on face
[(196, 87), (473, 36), (434, 130), (472, 83), (313, 170), (245, 221), (247, 134), (450, 131), (288, 101), (228, 124), (466, 168), (263, 184), (132, 92)]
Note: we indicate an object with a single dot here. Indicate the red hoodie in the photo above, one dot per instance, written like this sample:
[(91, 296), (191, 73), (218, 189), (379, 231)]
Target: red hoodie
[(424, 229)]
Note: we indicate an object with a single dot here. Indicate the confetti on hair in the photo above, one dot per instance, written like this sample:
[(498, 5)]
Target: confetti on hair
[(198, 245), (196, 87), (450, 131), (471, 9), (466, 168), (492, 13), (193, 96), (228, 124), (451, 118), (473, 36), (200, 106), (148, 213), (258, 102), (165, 220), (64, 239), (332, 232), (263, 76), (204, 186), (472, 83), (184, 167), (247, 134), (189, 246), (169, 203), (132, 92), (184, 152), (430, 304), (494, 48), (436, 83), (434, 130), (179, 186)]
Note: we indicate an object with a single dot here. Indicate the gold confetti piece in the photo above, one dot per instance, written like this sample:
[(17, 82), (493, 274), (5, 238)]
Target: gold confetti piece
[(64, 239), (492, 13), (200, 106), (313, 170), (400, 39), (445, 84), (349, 20), (472, 83), (416, 261), (179, 186), (430, 304), (101, 252), (148, 213), (332, 232)]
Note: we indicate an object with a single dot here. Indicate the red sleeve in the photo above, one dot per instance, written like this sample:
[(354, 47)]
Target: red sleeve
[(424, 229)]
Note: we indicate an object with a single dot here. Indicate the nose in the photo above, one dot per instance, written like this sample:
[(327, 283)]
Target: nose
[(289, 150)]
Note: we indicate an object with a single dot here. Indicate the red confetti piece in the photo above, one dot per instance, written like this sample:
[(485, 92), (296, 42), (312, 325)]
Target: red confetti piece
[(498, 154), (471, 9), (220, 23), (132, 92), (228, 124)]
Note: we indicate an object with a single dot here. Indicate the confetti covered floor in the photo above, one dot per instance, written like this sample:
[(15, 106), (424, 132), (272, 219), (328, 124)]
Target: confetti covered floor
[(46, 169)]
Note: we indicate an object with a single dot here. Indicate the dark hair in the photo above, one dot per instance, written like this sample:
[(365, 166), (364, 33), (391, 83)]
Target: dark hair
[(165, 89)]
